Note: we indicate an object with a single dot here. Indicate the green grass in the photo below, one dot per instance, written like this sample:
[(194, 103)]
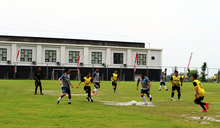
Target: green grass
[(19, 107)]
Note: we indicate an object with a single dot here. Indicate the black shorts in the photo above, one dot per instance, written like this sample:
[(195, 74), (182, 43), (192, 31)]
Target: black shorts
[(98, 84), (37, 83), (199, 100), (114, 84), (176, 88), (214, 79), (162, 83), (87, 89)]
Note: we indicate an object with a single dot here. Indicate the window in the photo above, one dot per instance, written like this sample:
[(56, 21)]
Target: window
[(118, 58), (50, 56), (96, 57), (141, 59), (3, 54), (26, 55), (73, 56)]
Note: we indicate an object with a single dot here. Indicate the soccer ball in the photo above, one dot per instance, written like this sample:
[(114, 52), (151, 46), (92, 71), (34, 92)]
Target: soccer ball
[(133, 102)]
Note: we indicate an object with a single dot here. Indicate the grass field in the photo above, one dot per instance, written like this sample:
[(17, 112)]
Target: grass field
[(19, 107)]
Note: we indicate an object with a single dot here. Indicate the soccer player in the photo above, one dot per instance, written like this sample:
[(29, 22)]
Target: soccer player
[(96, 79), (175, 81), (214, 78), (162, 82), (87, 85), (37, 81), (200, 93), (65, 86), (145, 87), (114, 80)]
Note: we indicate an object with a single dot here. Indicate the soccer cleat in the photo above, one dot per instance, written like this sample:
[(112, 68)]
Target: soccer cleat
[(115, 91), (42, 94), (207, 105), (151, 99), (179, 99), (166, 89), (58, 101), (171, 99), (146, 103), (69, 103), (159, 89), (93, 92), (35, 94), (92, 100), (88, 98), (204, 111)]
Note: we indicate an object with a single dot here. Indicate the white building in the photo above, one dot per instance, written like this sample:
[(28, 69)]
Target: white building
[(58, 53)]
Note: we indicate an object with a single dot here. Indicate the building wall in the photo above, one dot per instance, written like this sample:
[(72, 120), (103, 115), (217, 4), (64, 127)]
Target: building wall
[(62, 56)]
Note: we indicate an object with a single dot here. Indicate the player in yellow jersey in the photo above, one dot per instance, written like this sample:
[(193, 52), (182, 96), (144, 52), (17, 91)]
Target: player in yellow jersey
[(114, 80), (214, 78), (87, 85), (200, 93), (175, 81)]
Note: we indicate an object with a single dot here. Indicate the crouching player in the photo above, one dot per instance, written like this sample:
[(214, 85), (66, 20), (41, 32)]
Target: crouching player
[(200, 93), (87, 85), (65, 86), (145, 87)]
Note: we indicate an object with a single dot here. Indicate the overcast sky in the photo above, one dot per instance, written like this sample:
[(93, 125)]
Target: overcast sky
[(177, 26)]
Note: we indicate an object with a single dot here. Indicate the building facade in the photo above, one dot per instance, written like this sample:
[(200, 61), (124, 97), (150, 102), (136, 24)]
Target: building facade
[(55, 53)]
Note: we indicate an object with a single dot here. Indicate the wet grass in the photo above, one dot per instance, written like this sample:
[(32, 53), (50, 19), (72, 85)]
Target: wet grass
[(19, 107)]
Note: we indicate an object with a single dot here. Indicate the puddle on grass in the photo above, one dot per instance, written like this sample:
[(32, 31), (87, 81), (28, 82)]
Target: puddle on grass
[(206, 118), (201, 120), (150, 104)]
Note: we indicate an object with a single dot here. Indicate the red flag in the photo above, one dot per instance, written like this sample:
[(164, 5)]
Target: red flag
[(78, 63), (18, 55), (189, 60), (135, 62)]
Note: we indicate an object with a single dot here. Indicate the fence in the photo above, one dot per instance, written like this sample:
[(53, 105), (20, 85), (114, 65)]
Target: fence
[(26, 71)]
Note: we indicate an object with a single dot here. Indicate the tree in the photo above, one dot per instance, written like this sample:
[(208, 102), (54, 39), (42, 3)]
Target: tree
[(191, 72), (165, 74), (175, 69), (203, 74)]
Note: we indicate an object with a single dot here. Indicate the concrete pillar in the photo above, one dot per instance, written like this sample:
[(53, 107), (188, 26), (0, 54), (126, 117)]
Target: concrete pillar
[(14, 52), (86, 56), (108, 56), (129, 57), (62, 55), (149, 58), (39, 54)]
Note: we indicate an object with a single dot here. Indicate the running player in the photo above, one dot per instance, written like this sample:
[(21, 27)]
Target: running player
[(162, 82), (37, 81), (175, 81), (200, 93), (65, 86), (96, 79), (87, 85), (145, 87), (214, 78), (114, 80)]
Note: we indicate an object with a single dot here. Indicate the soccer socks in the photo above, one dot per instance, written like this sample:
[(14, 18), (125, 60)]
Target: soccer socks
[(95, 90), (179, 95), (69, 100), (150, 96), (172, 94), (59, 99), (144, 99), (159, 87), (202, 105), (165, 87)]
